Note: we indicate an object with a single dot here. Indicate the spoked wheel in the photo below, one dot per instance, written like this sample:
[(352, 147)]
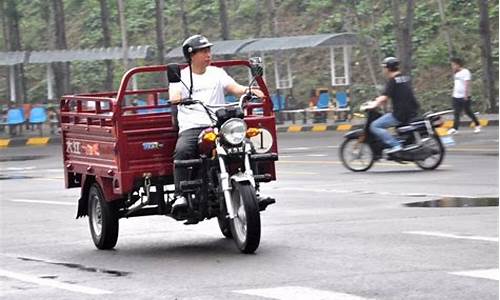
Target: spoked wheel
[(356, 156), (245, 227), (435, 147), (103, 219)]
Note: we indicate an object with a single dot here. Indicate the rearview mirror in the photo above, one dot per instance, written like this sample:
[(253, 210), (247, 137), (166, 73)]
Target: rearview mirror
[(256, 66), (173, 73)]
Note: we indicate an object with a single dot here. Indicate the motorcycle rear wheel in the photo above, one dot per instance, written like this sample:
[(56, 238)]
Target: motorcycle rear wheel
[(356, 156), (432, 162), (245, 227)]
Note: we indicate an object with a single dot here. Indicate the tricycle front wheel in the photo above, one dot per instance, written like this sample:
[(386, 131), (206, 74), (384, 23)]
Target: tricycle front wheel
[(245, 227), (103, 219)]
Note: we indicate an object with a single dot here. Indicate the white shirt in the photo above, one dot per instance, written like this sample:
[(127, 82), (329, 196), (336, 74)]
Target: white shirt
[(208, 87), (459, 87)]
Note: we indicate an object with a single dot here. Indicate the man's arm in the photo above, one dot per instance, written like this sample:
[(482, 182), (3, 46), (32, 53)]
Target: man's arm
[(466, 89), (174, 95), (380, 100), (238, 90)]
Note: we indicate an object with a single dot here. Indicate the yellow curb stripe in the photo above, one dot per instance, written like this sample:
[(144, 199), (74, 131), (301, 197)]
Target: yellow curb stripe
[(4, 143), (37, 141), (442, 131), (447, 124), (319, 128), (482, 122), (344, 127), (294, 128)]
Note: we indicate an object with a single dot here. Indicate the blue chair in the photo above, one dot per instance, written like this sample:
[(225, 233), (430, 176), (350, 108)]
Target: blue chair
[(278, 104), (323, 101), (341, 99), (342, 106), (15, 117), (230, 99), (140, 102), (38, 116)]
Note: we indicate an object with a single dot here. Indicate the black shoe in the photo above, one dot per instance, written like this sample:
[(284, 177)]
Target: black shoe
[(264, 202), (180, 205)]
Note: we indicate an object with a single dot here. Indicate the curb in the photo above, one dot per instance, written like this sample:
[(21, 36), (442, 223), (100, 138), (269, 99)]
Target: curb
[(31, 142), (44, 141)]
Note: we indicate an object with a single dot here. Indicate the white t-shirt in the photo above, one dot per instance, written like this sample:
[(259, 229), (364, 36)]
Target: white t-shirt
[(208, 87), (459, 86)]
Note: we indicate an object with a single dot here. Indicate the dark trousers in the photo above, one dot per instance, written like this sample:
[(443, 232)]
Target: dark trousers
[(186, 148), (460, 104)]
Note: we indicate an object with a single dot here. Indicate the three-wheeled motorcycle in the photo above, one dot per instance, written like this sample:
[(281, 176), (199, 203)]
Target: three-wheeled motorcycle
[(118, 148)]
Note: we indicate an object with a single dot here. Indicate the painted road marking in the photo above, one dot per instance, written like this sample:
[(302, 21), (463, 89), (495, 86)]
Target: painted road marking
[(295, 149), (454, 236), (53, 283), (297, 173), (298, 292), (42, 202), (487, 273), (317, 155), (336, 162)]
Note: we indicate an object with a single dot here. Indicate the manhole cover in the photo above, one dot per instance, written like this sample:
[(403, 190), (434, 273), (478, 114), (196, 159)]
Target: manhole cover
[(456, 202)]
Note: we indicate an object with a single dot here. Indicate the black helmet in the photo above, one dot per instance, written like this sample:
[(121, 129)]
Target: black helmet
[(193, 43), (391, 63)]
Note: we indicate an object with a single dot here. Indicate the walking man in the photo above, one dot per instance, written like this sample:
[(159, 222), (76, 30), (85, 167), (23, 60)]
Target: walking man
[(461, 95)]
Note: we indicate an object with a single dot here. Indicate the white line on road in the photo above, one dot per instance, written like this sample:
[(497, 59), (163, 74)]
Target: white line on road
[(487, 273), (53, 283), (42, 202), (296, 149), (317, 155), (297, 292), (454, 236)]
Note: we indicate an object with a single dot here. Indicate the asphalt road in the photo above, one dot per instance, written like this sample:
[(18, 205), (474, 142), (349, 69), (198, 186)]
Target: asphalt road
[(333, 234)]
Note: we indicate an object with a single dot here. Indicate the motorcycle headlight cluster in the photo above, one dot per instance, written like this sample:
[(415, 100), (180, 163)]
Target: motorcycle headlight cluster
[(234, 131)]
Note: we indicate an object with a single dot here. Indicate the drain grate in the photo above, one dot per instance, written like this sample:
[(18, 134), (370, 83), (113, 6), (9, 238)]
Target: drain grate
[(456, 202)]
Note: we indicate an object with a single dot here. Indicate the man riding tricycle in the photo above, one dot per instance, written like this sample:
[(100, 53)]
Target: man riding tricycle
[(193, 157)]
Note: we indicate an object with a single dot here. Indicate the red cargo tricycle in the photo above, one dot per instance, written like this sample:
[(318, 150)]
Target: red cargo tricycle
[(118, 148)]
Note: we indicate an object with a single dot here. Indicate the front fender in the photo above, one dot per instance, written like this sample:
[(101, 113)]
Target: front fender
[(354, 134), (241, 177)]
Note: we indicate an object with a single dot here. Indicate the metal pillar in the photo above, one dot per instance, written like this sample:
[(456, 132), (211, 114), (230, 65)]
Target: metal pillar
[(12, 83), (50, 82)]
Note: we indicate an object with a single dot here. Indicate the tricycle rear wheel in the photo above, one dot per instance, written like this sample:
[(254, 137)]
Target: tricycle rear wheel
[(103, 219)]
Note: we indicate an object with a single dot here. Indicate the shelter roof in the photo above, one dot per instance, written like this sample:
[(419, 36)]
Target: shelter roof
[(49, 56), (231, 47)]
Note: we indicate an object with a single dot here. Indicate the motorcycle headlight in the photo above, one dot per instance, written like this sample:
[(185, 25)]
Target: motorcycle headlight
[(234, 131)]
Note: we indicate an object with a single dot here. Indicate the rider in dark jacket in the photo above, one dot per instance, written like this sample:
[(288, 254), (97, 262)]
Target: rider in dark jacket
[(405, 106)]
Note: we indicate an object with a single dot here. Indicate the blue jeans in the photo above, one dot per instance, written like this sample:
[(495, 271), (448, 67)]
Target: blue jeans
[(378, 128)]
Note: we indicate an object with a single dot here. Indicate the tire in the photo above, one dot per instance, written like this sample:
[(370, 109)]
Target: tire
[(433, 161), (103, 219), (352, 154), (223, 221), (245, 227)]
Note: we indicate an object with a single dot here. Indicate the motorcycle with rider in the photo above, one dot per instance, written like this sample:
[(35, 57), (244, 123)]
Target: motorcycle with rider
[(416, 139)]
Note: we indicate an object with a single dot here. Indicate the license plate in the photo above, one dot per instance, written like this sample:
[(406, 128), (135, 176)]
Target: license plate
[(448, 140)]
